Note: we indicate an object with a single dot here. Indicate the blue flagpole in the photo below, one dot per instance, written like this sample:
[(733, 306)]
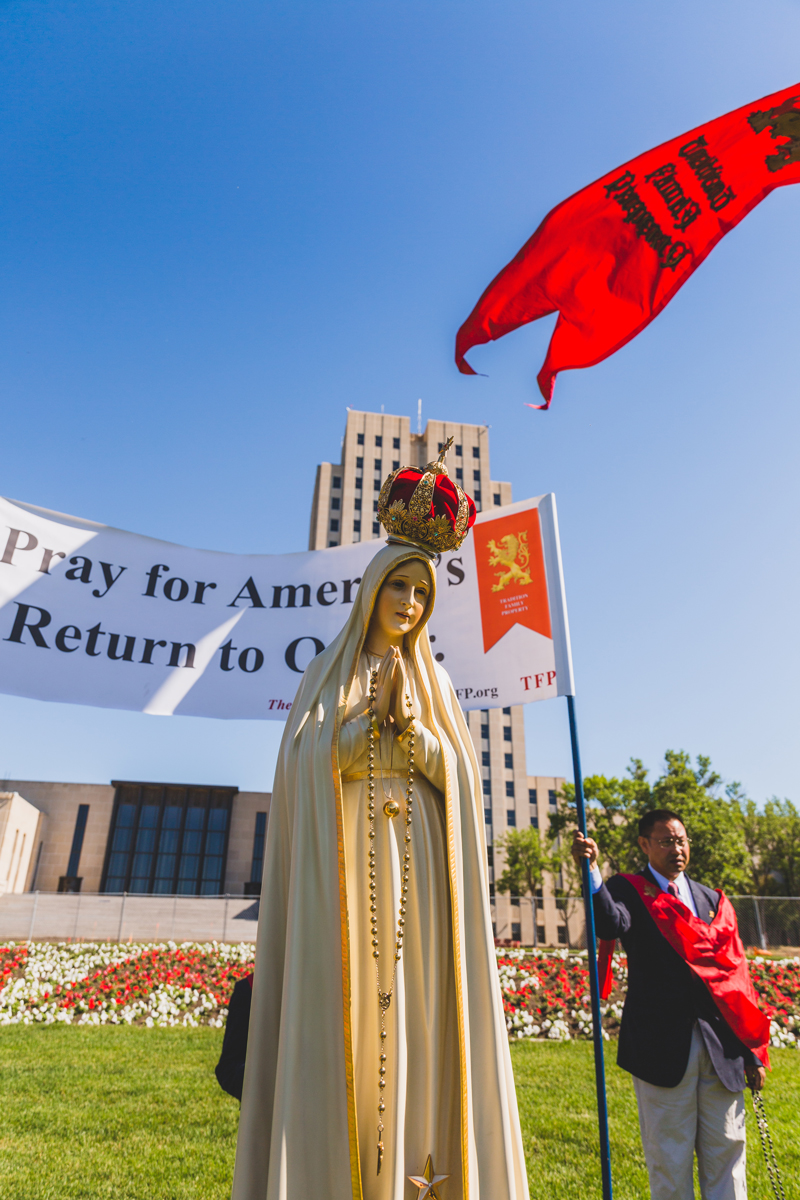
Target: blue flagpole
[(594, 981)]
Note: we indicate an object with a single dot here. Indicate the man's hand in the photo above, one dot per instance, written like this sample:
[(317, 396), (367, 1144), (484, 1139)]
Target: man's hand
[(584, 847), (756, 1077)]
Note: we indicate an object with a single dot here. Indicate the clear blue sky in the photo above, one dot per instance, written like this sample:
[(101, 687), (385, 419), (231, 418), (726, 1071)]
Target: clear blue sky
[(222, 223)]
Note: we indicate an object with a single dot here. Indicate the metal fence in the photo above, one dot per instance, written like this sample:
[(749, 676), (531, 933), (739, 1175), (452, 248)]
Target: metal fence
[(769, 922), (765, 922), (93, 917)]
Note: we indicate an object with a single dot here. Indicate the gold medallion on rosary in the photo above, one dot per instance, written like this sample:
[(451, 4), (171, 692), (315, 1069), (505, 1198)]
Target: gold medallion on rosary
[(392, 809)]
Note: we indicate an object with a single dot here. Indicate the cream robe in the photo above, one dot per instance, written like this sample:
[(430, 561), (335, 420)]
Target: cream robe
[(309, 1108)]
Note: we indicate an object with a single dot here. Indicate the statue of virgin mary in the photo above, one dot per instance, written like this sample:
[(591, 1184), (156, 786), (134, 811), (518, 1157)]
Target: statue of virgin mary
[(378, 1065)]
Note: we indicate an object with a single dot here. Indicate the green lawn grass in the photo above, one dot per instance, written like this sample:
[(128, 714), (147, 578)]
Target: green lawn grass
[(136, 1114)]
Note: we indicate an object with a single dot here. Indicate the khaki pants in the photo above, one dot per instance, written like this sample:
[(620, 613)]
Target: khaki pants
[(698, 1115)]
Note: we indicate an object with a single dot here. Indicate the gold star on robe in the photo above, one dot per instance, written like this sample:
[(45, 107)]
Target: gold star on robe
[(427, 1182)]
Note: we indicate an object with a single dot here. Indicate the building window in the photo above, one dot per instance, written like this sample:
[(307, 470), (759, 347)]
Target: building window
[(257, 866), (485, 731), (487, 816), (507, 712), (496, 499), (490, 856), (459, 450), (357, 504), (487, 787), (378, 440), (168, 840), (396, 464), (506, 733), (562, 935), (332, 543), (535, 822), (516, 931), (334, 526), (378, 464), (485, 758), (515, 901), (551, 798), (396, 443), (376, 528), (476, 452), (509, 761), (356, 527), (476, 475), (360, 439), (491, 897), (459, 475), (359, 463), (374, 505), (531, 795), (337, 481), (335, 503), (509, 787), (540, 934), (377, 484), (476, 497), (511, 818), (77, 841)]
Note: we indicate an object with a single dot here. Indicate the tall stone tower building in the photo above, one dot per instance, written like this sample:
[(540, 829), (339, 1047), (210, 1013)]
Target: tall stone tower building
[(345, 510)]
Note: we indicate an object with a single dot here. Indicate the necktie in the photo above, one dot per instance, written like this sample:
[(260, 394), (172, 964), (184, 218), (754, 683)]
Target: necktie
[(672, 888)]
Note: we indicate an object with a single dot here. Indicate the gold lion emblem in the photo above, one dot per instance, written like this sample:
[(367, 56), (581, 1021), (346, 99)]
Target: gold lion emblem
[(783, 121), (512, 556)]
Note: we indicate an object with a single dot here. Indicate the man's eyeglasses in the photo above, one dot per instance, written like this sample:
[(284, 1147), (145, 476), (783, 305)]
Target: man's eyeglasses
[(668, 843)]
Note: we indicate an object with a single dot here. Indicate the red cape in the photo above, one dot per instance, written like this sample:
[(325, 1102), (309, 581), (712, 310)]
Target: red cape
[(714, 952)]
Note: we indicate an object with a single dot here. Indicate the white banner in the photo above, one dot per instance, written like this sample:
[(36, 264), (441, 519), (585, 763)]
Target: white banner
[(90, 614)]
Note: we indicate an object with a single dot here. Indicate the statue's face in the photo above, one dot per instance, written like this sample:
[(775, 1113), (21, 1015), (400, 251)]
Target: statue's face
[(401, 601)]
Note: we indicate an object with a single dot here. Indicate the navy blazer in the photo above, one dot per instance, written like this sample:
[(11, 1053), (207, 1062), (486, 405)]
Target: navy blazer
[(665, 997), (230, 1068)]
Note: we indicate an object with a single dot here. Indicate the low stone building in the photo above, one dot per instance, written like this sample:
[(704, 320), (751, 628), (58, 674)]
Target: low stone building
[(132, 837)]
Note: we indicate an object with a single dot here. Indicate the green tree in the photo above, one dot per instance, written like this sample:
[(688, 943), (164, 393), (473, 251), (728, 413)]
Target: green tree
[(772, 837), (526, 862), (713, 818), (613, 810), (713, 821)]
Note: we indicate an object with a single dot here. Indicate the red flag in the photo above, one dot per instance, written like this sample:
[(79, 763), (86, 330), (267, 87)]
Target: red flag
[(610, 257)]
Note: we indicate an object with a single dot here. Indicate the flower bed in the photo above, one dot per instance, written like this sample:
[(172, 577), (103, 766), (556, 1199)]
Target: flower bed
[(546, 995), (545, 992), (113, 984)]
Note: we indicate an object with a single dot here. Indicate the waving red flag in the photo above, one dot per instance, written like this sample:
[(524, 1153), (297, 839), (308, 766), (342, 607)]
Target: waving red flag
[(610, 257)]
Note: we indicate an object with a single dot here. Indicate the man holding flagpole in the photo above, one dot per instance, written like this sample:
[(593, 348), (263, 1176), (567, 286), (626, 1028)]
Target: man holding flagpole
[(692, 1032)]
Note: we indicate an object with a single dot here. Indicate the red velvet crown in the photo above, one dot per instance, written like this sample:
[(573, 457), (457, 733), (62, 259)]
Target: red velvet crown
[(422, 505)]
